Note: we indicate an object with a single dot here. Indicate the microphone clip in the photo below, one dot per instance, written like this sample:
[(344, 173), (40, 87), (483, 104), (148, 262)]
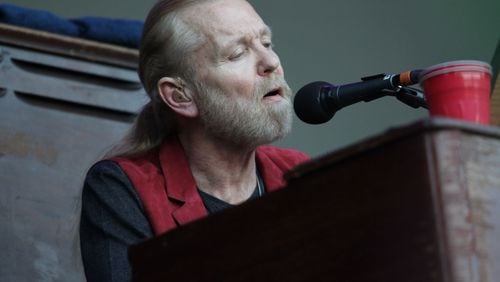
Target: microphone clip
[(409, 96)]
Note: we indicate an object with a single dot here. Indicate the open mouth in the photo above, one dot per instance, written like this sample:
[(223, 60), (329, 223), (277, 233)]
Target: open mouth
[(273, 93)]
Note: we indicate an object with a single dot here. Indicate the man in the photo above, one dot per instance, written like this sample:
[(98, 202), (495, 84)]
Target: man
[(217, 94)]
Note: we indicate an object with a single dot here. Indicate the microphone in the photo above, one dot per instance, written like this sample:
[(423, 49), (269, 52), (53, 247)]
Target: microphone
[(318, 101)]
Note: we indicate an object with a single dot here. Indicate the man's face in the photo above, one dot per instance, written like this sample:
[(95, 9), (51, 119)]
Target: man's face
[(243, 96)]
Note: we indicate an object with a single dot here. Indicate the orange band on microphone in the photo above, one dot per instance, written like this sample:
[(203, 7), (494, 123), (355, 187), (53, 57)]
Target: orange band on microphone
[(405, 78)]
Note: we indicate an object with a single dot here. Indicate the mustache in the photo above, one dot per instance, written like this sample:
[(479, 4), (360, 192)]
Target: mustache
[(271, 84)]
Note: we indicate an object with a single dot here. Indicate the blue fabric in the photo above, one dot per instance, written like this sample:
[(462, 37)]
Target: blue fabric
[(37, 19), (115, 31)]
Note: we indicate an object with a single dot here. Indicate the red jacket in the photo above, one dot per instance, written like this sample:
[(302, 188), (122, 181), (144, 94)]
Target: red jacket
[(167, 188)]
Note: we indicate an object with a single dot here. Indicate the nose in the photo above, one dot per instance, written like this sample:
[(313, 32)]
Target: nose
[(269, 62)]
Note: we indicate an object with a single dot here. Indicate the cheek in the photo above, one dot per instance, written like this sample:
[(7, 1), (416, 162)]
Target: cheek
[(236, 82), (233, 78), (244, 86)]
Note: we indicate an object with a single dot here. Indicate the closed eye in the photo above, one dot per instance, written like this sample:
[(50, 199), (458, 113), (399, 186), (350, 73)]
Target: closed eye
[(237, 54), (268, 45)]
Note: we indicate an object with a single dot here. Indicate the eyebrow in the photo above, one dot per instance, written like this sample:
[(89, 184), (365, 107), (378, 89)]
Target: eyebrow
[(266, 31)]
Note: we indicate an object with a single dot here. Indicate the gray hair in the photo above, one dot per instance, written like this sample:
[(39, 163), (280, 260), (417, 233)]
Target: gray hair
[(166, 49)]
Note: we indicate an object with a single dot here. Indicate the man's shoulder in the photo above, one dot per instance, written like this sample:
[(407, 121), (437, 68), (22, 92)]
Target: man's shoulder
[(286, 156), (142, 164), (104, 169)]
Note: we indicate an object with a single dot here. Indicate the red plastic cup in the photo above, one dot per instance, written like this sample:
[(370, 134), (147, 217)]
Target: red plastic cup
[(458, 89)]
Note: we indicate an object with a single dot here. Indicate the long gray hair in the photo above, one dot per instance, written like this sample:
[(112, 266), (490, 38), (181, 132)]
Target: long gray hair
[(165, 48)]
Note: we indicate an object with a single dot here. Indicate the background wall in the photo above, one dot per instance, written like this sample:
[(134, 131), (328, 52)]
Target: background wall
[(342, 41)]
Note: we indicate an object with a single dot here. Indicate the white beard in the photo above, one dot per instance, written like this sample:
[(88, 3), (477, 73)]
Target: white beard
[(245, 121)]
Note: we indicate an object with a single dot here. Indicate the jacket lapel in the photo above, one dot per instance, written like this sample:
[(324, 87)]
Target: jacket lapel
[(180, 184), (272, 175)]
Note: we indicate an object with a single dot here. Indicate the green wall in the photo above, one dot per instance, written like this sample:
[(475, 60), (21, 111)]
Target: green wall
[(341, 41)]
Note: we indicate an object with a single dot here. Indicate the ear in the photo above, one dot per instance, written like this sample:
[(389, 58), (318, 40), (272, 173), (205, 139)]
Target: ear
[(177, 97)]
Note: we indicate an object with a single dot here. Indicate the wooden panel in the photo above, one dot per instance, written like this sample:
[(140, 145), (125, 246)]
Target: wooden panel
[(68, 46), (468, 177), (59, 113)]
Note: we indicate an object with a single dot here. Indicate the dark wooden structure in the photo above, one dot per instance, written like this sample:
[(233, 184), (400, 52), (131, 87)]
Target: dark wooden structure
[(417, 204)]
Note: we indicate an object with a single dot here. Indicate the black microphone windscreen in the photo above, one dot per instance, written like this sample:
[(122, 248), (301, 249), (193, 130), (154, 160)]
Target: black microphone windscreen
[(309, 103)]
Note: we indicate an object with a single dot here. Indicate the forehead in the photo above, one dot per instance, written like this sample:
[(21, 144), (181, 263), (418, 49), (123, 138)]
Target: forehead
[(221, 20)]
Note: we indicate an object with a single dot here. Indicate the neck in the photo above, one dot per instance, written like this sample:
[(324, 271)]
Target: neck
[(223, 170)]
